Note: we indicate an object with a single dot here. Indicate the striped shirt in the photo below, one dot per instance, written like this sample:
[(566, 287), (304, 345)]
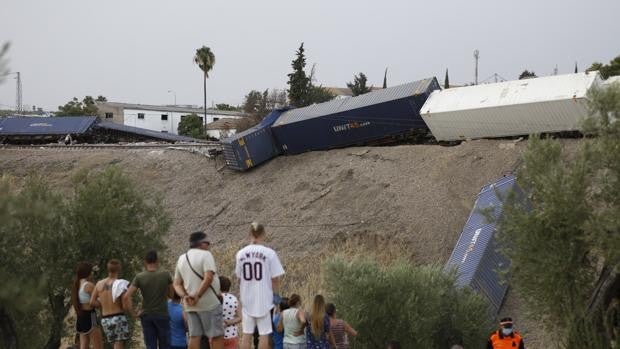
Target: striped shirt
[(340, 336)]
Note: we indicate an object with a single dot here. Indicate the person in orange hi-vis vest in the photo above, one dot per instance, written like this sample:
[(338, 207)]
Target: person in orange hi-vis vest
[(505, 337)]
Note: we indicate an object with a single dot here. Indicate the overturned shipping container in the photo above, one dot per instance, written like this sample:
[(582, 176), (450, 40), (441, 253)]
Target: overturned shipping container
[(253, 146), (373, 116), (540, 105), (476, 256)]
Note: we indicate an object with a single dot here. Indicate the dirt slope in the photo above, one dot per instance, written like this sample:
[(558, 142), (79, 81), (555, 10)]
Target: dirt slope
[(417, 196)]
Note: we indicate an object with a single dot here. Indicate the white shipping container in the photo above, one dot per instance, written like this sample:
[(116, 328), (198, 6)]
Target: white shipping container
[(521, 107)]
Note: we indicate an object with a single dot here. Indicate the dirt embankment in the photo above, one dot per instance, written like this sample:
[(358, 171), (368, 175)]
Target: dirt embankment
[(414, 196)]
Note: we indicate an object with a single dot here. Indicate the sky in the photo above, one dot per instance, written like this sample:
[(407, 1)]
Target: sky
[(141, 51)]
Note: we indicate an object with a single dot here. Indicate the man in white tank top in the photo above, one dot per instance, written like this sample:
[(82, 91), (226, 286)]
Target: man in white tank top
[(258, 269)]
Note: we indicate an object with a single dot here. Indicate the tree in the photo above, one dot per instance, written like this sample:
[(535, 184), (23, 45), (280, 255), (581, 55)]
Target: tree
[(358, 86), (417, 305), (226, 107), (191, 126), (607, 70), (571, 227), (3, 61), (527, 75), (299, 83), (45, 232), (385, 78), (74, 107), (446, 83), (206, 60), (101, 98)]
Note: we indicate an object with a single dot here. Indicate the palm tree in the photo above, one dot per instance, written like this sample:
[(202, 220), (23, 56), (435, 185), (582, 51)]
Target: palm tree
[(206, 60)]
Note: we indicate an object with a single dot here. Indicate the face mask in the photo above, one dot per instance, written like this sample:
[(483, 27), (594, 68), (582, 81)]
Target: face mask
[(506, 331)]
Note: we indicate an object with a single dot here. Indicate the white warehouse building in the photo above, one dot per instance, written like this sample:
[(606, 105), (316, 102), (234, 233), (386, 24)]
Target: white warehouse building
[(160, 118)]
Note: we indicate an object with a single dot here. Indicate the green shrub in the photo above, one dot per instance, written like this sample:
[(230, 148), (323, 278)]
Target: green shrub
[(417, 305)]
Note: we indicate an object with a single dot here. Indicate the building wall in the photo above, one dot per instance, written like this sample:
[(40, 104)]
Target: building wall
[(105, 111), (154, 120), (219, 134)]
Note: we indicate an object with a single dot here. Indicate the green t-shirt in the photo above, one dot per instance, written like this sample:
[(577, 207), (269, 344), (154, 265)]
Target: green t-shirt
[(154, 286)]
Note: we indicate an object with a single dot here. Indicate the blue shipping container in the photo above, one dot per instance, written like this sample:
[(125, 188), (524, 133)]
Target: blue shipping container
[(476, 256), (46, 126), (253, 146), (357, 120)]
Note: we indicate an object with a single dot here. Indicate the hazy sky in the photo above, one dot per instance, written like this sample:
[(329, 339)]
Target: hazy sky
[(136, 50)]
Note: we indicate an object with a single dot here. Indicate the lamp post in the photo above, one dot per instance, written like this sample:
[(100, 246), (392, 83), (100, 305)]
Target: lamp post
[(175, 96)]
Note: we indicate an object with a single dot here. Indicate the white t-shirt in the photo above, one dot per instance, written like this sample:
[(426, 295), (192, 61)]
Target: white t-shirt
[(202, 261), (229, 312), (256, 265)]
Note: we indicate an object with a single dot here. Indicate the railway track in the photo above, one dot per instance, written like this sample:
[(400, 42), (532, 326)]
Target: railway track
[(216, 145)]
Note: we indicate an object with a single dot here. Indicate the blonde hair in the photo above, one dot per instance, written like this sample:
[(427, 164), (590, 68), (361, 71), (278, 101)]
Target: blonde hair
[(317, 316), (257, 230)]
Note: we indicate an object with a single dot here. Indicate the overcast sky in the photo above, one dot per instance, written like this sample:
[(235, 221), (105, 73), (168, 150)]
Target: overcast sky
[(135, 51)]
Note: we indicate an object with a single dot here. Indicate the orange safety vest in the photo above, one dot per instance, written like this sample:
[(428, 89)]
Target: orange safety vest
[(499, 341)]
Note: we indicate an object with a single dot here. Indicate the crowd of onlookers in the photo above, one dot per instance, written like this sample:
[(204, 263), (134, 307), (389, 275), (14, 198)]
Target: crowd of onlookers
[(194, 308)]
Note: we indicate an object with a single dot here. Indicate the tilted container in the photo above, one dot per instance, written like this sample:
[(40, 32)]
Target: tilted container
[(477, 257), (511, 108), (253, 146), (374, 116)]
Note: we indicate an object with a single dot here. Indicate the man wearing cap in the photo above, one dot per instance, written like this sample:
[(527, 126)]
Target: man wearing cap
[(506, 337), (196, 281)]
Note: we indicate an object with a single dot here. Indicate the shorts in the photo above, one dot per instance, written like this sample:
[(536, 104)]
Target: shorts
[(249, 323), (294, 346), (231, 343), (86, 321), (115, 327), (208, 323)]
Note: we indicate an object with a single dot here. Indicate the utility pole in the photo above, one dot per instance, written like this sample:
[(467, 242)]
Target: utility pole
[(476, 56), (18, 97)]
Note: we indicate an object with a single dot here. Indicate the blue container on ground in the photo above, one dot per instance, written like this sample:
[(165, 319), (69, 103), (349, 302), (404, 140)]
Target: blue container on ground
[(377, 115), (253, 146), (476, 256)]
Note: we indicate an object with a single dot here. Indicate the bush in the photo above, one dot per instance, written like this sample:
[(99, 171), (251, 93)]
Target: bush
[(417, 305), (44, 234)]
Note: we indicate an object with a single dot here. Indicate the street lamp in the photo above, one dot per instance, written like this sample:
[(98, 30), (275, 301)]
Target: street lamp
[(175, 96)]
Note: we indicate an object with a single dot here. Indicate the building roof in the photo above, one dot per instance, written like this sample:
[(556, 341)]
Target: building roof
[(169, 137), (361, 101), (171, 108), (224, 124), (61, 125)]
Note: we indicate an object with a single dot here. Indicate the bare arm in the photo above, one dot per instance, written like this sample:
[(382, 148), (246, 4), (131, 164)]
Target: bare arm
[(94, 297), (170, 291), (275, 284), (127, 301), (280, 326), (236, 319), (349, 330), (204, 285)]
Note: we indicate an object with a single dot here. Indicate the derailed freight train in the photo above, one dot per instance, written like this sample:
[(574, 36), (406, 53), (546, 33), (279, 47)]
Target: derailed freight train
[(379, 115), (539, 105)]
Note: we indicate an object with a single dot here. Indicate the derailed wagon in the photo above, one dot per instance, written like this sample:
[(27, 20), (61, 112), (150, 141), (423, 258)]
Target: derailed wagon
[(374, 116), (512, 108), (253, 146), (477, 258)]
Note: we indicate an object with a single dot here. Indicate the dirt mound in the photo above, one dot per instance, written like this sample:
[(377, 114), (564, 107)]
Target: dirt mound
[(417, 196)]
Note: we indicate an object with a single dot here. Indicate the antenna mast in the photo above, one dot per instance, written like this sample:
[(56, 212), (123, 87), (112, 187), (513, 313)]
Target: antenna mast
[(476, 56)]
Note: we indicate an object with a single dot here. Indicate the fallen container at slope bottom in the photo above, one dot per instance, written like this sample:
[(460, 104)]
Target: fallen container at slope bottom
[(374, 116), (477, 257), (253, 146)]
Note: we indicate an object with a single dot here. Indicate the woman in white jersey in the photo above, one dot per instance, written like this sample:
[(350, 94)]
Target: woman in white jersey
[(292, 323), (258, 269)]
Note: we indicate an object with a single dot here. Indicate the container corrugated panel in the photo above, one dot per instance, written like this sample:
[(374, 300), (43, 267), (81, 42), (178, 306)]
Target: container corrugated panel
[(476, 256), (253, 146), (168, 137), (352, 121), (45, 126), (511, 108)]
